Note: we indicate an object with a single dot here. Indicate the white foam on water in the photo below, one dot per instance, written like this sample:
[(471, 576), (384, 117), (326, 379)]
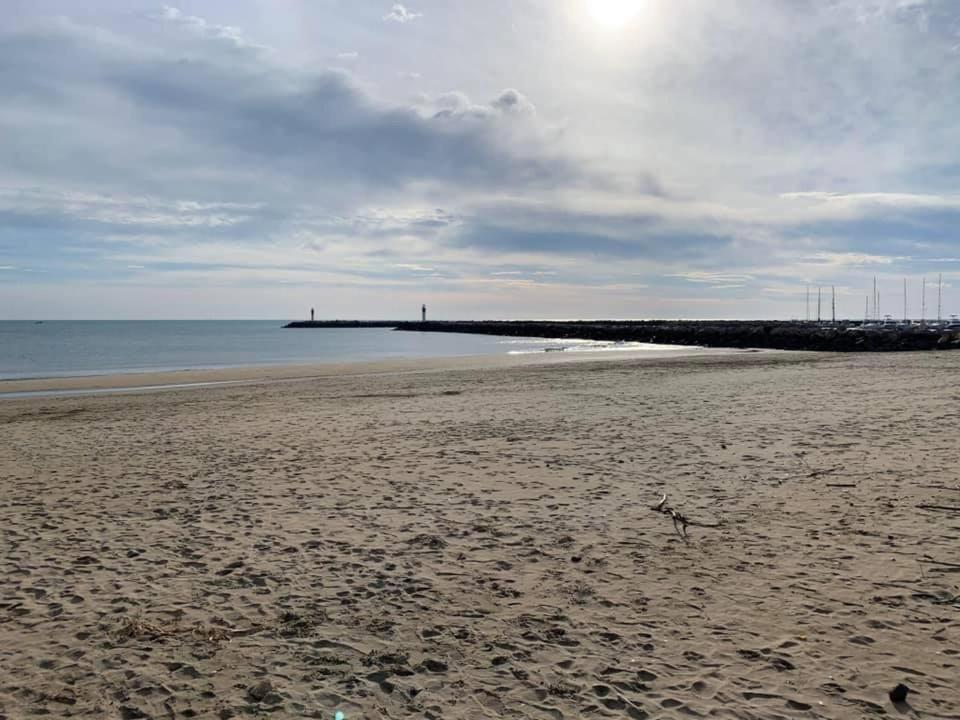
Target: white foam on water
[(591, 346)]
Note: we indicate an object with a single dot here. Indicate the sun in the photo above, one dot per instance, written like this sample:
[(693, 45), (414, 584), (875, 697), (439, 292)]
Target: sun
[(614, 13)]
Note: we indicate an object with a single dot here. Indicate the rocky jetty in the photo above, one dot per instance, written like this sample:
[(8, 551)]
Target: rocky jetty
[(779, 335), (300, 324)]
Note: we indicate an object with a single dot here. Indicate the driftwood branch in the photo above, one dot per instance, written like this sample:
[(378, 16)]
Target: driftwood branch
[(680, 520), (928, 559), (936, 599), (824, 471)]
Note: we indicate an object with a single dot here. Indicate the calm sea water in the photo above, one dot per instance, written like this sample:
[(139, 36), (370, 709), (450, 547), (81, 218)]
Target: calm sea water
[(68, 348)]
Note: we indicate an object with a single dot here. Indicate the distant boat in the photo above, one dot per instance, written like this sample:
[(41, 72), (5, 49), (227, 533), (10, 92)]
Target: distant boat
[(38, 322)]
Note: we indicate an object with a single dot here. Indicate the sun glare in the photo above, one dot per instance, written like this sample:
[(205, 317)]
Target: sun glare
[(614, 13)]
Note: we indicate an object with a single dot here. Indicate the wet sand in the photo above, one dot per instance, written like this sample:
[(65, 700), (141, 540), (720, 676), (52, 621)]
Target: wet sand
[(469, 542), (274, 373)]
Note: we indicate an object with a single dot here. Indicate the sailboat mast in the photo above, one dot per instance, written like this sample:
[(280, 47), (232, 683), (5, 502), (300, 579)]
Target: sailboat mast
[(923, 303), (940, 298), (904, 300)]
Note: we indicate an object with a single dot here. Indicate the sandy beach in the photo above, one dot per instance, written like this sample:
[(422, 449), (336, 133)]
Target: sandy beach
[(464, 540)]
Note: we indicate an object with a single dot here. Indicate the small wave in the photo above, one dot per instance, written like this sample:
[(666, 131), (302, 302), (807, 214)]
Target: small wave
[(591, 346), (545, 341)]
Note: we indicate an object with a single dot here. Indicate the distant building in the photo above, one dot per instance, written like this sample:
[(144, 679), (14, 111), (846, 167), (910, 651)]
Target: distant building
[(311, 314), (423, 313)]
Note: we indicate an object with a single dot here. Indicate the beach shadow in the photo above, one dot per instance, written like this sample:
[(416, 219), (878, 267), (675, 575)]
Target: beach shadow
[(904, 708)]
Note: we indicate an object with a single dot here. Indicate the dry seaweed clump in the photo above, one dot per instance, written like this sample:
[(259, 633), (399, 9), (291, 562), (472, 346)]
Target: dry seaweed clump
[(295, 624), (139, 628), (581, 592), (428, 541)]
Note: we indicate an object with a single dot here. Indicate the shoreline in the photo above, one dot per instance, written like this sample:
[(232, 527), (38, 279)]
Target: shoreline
[(79, 385)]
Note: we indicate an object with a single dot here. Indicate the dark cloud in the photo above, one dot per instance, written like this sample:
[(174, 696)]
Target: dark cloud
[(254, 117), (646, 244), (885, 231)]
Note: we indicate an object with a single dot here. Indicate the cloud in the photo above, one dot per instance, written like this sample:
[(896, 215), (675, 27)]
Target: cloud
[(854, 201), (717, 280), (416, 268), (203, 28), (512, 101), (399, 13), (839, 260), (121, 210), (353, 55)]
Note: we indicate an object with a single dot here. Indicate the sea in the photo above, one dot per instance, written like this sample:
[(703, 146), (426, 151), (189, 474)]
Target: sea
[(68, 348)]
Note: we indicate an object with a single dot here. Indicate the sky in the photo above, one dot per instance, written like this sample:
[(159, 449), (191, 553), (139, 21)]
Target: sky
[(504, 159)]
